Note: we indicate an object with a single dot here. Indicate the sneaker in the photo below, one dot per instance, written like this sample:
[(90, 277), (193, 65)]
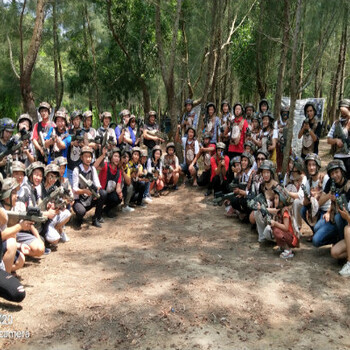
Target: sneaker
[(147, 200), (142, 205), (175, 188), (101, 220), (47, 251), (345, 271), (208, 193), (96, 223), (64, 237), (127, 209), (286, 254)]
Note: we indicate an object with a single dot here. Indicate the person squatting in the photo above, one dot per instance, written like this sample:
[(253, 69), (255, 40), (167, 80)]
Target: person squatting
[(61, 167)]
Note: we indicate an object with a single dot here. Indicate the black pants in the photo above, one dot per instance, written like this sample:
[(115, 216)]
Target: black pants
[(218, 186), (241, 205), (204, 178), (10, 287), (112, 200), (80, 209), (139, 190)]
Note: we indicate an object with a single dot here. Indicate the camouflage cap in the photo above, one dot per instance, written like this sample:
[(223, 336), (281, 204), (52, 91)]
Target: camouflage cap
[(44, 105), (8, 185), (18, 166)]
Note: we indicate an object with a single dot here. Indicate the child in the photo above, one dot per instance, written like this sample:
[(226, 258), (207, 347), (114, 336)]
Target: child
[(282, 226)]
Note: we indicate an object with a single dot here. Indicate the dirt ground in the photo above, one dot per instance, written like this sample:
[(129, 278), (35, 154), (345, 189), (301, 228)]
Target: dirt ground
[(179, 275)]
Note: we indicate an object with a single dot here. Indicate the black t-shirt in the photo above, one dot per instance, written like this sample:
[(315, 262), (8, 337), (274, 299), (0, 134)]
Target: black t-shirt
[(328, 188)]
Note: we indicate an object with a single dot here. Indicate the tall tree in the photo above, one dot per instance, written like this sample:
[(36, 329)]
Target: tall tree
[(167, 59), (27, 61), (293, 86), (283, 58)]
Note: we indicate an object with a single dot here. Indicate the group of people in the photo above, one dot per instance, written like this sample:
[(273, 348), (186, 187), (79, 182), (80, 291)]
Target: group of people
[(61, 167), (242, 151)]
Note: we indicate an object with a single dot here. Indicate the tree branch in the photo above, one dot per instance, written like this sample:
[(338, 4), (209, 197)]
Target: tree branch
[(160, 50), (21, 56), (11, 58), (35, 40)]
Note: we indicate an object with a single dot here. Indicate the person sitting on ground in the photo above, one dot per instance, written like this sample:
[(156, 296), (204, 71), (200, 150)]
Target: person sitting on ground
[(84, 199), (56, 226), (190, 148), (239, 202), (206, 151), (171, 167), (281, 224), (267, 169), (155, 167), (138, 186), (111, 180), (14, 252), (219, 164), (329, 229), (143, 161), (315, 184), (341, 250), (127, 188), (10, 287), (293, 182)]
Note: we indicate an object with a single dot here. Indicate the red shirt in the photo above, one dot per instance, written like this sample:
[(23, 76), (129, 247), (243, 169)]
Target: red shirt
[(214, 165), (239, 148), (35, 129), (103, 175)]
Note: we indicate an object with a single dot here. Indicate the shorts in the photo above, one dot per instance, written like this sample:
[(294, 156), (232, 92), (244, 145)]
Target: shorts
[(25, 237), (185, 166)]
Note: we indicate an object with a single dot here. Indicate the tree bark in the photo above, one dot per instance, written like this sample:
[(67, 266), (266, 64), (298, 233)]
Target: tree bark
[(260, 83), (59, 85), (167, 66), (344, 48), (283, 59), (293, 87), (93, 53), (27, 64)]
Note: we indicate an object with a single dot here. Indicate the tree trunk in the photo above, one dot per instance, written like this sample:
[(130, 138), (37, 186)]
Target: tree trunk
[(93, 53), (261, 85), (301, 69), (344, 47), (167, 66), (283, 59), (27, 64), (59, 85), (293, 87), (146, 96), (337, 77)]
